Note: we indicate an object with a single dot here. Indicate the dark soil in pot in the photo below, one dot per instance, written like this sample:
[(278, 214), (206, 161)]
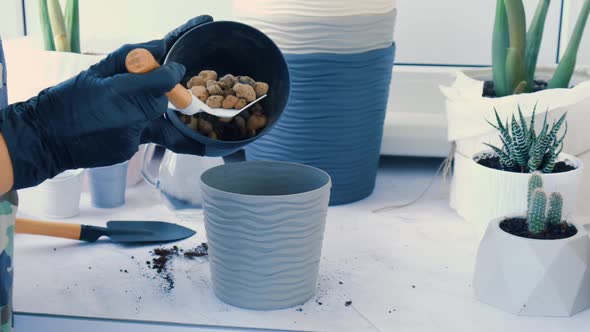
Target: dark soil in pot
[(488, 88), (492, 161), (519, 227)]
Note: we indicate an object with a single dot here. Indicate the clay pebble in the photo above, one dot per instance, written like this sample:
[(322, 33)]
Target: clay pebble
[(245, 91)]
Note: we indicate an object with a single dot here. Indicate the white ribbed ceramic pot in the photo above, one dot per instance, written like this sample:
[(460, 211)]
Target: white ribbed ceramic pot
[(56, 198), (480, 194), (265, 226), (467, 111), (327, 26), (531, 277), (316, 8)]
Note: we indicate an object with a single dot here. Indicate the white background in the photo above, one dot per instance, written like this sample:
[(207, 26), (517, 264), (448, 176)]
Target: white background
[(452, 32)]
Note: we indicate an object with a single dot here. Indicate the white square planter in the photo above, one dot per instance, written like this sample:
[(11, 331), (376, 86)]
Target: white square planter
[(532, 277), (467, 111), (480, 194)]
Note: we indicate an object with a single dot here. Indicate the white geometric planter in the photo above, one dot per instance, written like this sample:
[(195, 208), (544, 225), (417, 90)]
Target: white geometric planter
[(467, 110), (480, 194), (532, 277)]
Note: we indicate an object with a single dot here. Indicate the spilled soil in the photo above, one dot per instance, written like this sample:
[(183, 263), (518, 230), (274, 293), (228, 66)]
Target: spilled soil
[(163, 258)]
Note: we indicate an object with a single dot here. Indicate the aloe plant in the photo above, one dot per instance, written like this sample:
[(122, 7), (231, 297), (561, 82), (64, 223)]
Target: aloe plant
[(562, 76), (525, 151), (72, 20), (515, 50), (46, 26), (60, 32), (58, 26)]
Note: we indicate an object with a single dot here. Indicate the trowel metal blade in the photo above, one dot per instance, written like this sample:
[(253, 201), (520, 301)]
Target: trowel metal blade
[(146, 231)]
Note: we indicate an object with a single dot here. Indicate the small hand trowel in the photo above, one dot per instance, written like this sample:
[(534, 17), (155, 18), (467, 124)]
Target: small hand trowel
[(117, 231)]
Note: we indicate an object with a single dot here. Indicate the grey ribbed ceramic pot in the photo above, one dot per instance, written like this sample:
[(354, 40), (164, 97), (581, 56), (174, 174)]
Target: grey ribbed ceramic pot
[(265, 225)]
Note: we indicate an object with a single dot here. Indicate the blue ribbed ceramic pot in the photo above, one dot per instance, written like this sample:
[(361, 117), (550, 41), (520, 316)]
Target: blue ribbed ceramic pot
[(334, 119), (265, 226)]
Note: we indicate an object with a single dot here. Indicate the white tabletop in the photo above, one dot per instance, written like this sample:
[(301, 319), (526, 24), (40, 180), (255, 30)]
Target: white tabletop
[(406, 269)]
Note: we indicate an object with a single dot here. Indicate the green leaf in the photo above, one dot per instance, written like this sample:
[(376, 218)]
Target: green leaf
[(556, 127), (536, 156), (505, 160), (520, 142), (523, 123), (534, 38), (565, 69), (45, 26), (500, 43), (58, 26), (520, 88), (532, 125), (515, 71), (72, 20)]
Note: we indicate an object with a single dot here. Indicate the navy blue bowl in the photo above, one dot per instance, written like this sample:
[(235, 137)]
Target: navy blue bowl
[(239, 49)]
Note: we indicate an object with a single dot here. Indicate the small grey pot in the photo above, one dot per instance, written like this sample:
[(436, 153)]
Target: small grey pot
[(265, 226)]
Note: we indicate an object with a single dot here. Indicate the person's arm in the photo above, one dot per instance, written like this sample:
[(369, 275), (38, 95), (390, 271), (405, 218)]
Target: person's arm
[(97, 118), (6, 175)]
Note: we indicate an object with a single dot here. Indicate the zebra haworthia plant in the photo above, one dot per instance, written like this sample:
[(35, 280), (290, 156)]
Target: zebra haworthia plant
[(538, 217), (515, 50), (524, 150)]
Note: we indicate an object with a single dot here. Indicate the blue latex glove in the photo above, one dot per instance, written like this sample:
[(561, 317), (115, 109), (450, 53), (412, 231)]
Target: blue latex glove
[(96, 118), (161, 131)]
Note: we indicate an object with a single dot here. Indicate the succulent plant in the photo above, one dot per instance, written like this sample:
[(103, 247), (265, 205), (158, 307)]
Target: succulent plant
[(538, 218), (525, 151), (536, 213), (555, 208), (535, 182), (515, 50), (60, 32)]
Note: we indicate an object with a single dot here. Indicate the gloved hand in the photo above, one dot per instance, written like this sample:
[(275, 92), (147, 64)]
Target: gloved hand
[(93, 119), (161, 131)]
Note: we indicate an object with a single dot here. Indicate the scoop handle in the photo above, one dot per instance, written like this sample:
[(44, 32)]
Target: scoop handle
[(141, 61), (55, 229)]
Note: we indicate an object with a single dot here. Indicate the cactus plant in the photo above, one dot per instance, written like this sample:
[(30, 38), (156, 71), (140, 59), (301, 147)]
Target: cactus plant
[(525, 151), (535, 182), (538, 218), (536, 212), (515, 51), (555, 208)]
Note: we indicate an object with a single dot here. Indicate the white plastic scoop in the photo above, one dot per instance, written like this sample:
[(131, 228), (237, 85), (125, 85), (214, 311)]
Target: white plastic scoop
[(197, 106), (141, 61)]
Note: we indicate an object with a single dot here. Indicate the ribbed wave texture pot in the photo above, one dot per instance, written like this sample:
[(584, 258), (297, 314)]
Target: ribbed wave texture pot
[(334, 119), (331, 34), (316, 8), (265, 225)]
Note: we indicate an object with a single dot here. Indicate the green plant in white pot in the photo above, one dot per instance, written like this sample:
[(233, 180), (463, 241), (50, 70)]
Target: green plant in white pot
[(515, 50), (535, 262), (498, 174), (515, 81)]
